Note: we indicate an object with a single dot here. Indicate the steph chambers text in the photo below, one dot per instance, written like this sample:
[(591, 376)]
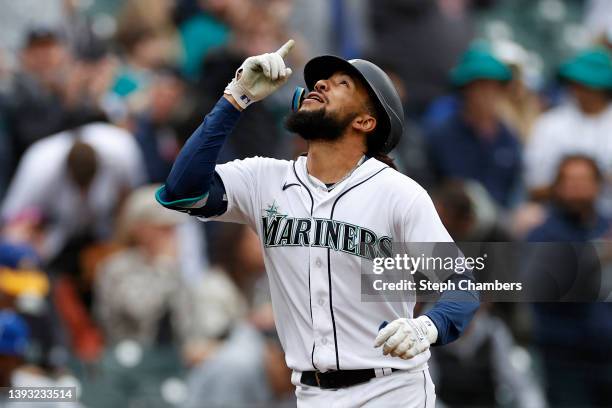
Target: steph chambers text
[(462, 284)]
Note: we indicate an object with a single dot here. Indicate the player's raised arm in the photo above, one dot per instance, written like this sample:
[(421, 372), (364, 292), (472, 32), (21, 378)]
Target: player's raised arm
[(192, 182)]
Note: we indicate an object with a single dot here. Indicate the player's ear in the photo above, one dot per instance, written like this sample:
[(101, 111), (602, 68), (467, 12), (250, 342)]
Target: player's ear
[(364, 123)]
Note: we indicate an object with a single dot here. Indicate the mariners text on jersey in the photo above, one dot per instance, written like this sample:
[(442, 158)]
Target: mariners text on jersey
[(280, 230)]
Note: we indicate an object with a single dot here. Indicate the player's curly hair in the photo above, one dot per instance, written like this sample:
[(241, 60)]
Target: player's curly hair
[(375, 139)]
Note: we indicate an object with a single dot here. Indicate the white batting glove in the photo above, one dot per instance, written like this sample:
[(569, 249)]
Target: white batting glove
[(405, 338), (259, 76)]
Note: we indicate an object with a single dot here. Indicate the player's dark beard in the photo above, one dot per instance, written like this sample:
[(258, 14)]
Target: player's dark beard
[(317, 125)]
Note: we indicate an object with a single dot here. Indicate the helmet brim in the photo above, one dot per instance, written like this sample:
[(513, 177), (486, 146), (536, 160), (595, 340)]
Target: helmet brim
[(325, 66)]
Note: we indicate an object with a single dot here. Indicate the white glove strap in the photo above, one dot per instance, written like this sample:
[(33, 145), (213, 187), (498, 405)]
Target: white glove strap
[(426, 328), (240, 95)]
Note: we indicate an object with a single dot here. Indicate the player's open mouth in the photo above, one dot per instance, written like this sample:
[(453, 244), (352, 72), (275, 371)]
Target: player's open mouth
[(315, 96)]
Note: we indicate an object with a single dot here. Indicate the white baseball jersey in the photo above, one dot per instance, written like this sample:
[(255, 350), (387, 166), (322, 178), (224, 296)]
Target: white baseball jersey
[(311, 242)]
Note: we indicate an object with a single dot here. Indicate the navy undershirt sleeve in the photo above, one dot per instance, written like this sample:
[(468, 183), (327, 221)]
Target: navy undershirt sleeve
[(454, 310), (216, 203), (192, 181)]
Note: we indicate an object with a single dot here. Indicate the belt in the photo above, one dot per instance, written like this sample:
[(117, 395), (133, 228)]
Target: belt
[(338, 379)]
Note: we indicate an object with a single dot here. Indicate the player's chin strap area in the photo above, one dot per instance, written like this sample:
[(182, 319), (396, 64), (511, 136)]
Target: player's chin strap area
[(341, 379)]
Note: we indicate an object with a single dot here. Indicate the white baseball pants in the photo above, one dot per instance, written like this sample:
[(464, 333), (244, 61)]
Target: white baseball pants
[(399, 389)]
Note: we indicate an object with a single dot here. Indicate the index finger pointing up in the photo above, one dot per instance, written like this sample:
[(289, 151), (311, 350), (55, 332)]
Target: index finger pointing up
[(284, 50)]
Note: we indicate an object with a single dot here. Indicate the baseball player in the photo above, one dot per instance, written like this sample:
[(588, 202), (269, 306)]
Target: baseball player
[(317, 217)]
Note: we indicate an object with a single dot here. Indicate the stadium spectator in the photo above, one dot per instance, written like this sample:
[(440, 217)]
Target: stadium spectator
[(14, 340), (223, 298), (468, 213), (145, 47), (40, 103), (29, 290), (77, 179), (158, 129), (598, 17), (490, 354), (205, 29), (410, 156), (573, 338), (25, 288), (420, 30), (18, 255), (138, 288), (62, 199), (581, 125), (474, 143), (573, 215), (16, 369), (311, 21), (473, 220), (154, 14), (520, 106)]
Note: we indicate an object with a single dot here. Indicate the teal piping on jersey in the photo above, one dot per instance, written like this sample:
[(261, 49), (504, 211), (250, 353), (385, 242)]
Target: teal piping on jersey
[(196, 202)]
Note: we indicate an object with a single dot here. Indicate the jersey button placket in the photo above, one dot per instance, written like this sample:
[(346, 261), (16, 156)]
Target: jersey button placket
[(324, 352)]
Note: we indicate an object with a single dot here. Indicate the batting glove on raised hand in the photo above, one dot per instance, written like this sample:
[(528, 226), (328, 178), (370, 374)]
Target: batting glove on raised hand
[(259, 76), (405, 338)]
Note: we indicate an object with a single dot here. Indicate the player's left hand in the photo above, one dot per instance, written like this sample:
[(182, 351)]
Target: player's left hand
[(405, 338)]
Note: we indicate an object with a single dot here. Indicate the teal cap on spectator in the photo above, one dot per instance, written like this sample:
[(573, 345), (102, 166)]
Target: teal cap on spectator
[(478, 62), (591, 67)]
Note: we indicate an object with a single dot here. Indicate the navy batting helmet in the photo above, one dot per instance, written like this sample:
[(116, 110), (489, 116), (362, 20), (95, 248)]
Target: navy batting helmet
[(383, 93)]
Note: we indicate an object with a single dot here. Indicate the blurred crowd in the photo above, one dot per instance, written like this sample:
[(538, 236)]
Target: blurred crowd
[(508, 107)]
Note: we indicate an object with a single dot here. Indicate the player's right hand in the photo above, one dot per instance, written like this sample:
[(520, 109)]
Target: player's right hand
[(259, 76)]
